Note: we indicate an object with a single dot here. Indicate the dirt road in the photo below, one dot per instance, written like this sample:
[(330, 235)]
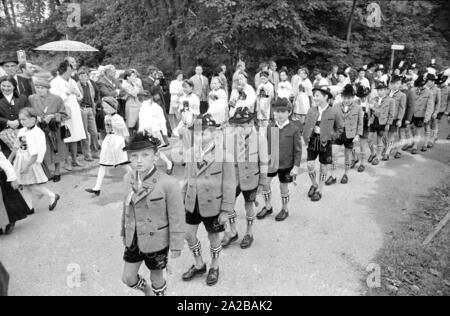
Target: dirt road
[(322, 249)]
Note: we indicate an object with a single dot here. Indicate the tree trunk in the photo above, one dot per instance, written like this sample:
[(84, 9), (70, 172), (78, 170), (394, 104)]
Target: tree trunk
[(13, 13), (7, 14), (350, 25)]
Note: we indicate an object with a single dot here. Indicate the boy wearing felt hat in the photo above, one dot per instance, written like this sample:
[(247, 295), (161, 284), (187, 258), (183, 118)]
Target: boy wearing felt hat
[(285, 152), (153, 218), (433, 129), (399, 113), (381, 119), (209, 193), (353, 118), (420, 117), (323, 126), (251, 161)]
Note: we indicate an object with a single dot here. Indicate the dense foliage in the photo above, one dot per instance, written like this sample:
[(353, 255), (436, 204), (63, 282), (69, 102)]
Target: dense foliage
[(180, 33)]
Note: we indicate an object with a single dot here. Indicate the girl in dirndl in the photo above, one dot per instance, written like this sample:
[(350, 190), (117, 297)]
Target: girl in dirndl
[(112, 154), (28, 155), (153, 121)]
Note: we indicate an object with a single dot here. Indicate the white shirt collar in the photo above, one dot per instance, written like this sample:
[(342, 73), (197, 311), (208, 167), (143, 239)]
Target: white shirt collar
[(9, 97), (284, 125)]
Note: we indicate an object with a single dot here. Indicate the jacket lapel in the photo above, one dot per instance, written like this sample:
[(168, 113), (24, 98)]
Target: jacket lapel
[(203, 165), (148, 186)]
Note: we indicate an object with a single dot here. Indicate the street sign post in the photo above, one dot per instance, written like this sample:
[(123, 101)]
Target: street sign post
[(394, 48)]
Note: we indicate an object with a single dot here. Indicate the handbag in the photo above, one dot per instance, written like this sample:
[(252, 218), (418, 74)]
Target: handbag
[(65, 132), (9, 137)]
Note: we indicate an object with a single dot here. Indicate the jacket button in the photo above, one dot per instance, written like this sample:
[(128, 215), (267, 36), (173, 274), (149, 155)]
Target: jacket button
[(152, 234)]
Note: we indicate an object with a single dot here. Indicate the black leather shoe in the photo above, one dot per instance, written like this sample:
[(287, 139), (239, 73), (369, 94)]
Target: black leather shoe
[(424, 149), (10, 228), (213, 277), (31, 212), (344, 179), (316, 197), (57, 179), (414, 151), (386, 158), (91, 191), (354, 163), (282, 216), (53, 206), (398, 156), (227, 240), (313, 190), (361, 169), (375, 162), (430, 146), (193, 272), (264, 213), (331, 181), (247, 242), (371, 158), (170, 171)]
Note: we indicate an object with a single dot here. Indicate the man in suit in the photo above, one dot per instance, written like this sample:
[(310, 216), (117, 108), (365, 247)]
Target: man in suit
[(4, 281), (90, 145), (209, 191), (201, 88), (25, 83), (323, 126), (8, 64)]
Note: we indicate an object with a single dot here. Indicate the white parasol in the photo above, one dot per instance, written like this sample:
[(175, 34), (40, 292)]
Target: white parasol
[(66, 46)]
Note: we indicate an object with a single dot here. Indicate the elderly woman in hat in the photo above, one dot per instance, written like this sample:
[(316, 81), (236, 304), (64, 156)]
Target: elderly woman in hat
[(52, 113)]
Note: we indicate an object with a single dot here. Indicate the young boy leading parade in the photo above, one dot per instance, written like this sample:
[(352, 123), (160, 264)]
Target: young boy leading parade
[(153, 218)]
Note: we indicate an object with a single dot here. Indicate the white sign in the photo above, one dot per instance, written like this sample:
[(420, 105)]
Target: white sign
[(398, 47), (21, 57), (74, 17)]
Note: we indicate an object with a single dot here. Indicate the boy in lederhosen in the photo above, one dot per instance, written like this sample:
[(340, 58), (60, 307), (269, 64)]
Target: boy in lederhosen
[(381, 119), (153, 218), (432, 136), (285, 152), (353, 118), (423, 101), (264, 97), (210, 192), (445, 100), (323, 126), (251, 160), (405, 130), (362, 94), (399, 113)]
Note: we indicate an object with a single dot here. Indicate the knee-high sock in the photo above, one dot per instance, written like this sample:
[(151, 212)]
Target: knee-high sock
[(362, 153), (100, 177), (161, 291), (166, 160), (44, 191)]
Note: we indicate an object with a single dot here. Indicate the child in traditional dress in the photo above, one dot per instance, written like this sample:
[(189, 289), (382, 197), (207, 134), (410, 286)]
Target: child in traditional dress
[(285, 158), (285, 90), (304, 97), (112, 154), (153, 121), (363, 94), (28, 156), (264, 98), (153, 220), (189, 107), (381, 120), (218, 102)]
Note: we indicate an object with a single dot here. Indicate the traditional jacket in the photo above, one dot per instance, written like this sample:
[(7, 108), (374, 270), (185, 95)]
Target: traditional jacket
[(331, 125), (154, 212), (437, 99), (445, 99), (353, 118), (423, 103), (284, 146), (383, 109), (210, 177), (400, 105), (251, 157)]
